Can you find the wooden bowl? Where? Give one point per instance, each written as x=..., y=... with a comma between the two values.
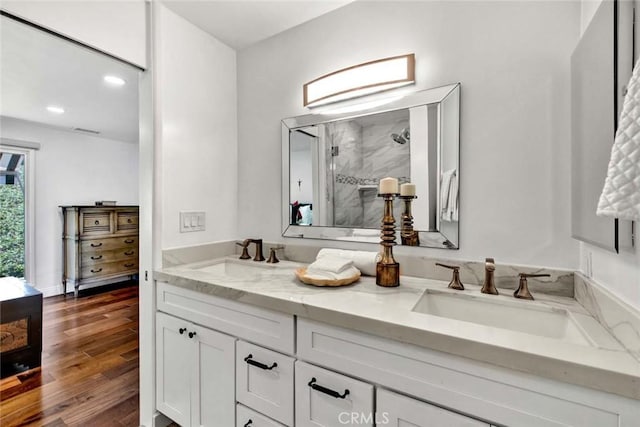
x=300, y=274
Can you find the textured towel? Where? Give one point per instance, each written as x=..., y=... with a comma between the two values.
x=362, y=260
x=328, y=275
x=620, y=196
x=332, y=264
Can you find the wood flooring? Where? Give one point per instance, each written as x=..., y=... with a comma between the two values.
x=89, y=372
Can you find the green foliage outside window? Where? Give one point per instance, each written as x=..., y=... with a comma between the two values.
x=11, y=230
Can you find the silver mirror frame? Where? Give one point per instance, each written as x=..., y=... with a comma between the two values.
x=433, y=239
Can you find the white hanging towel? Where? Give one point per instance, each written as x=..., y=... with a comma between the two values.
x=449, y=196
x=620, y=196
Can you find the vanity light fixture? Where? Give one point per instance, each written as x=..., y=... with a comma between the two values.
x=55, y=109
x=114, y=80
x=359, y=80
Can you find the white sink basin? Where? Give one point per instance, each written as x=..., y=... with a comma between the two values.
x=241, y=269
x=504, y=313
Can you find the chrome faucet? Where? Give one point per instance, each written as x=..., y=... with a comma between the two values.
x=489, y=286
x=245, y=252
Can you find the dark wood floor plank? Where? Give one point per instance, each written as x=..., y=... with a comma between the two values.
x=89, y=373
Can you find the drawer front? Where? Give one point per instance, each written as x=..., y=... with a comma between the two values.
x=110, y=268
x=101, y=257
x=110, y=243
x=95, y=222
x=126, y=221
x=322, y=398
x=465, y=386
x=395, y=410
x=264, y=381
x=267, y=328
x=246, y=417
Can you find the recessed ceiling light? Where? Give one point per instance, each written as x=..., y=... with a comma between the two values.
x=114, y=80
x=55, y=109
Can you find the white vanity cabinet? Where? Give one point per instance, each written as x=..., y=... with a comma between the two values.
x=395, y=410
x=194, y=373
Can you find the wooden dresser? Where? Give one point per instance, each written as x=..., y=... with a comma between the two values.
x=100, y=245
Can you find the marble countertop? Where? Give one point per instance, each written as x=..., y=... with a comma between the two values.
x=387, y=312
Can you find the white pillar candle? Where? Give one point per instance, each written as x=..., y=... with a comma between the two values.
x=388, y=186
x=408, y=189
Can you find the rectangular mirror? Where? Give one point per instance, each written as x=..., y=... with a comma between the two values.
x=332, y=164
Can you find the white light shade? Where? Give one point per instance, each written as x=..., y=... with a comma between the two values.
x=360, y=80
x=114, y=80
x=55, y=109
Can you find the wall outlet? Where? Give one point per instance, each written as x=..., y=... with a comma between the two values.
x=192, y=221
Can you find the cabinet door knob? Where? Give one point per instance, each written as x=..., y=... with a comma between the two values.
x=96, y=245
x=248, y=423
x=96, y=271
x=182, y=330
x=252, y=362
x=192, y=334
x=328, y=391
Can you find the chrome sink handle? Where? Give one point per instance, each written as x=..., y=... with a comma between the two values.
x=455, y=280
x=523, y=289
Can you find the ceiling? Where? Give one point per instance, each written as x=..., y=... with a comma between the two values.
x=241, y=23
x=38, y=70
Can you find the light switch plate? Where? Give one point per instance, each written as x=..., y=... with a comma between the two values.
x=192, y=221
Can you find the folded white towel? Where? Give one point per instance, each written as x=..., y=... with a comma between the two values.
x=332, y=264
x=363, y=260
x=328, y=275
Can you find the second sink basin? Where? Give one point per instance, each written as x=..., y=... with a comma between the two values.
x=238, y=269
x=497, y=312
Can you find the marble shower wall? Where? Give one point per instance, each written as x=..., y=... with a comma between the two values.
x=367, y=153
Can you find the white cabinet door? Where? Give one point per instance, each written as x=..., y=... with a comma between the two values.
x=213, y=373
x=394, y=410
x=327, y=399
x=264, y=381
x=173, y=368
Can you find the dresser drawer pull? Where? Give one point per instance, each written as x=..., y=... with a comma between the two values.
x=129, y=265
x=96, y=245
x=328, y=391
x=129, y=253
x=129, y=241
x=96, y=222
x=250, y=361
x=248, y=423
x=97, y=257
x=129, y=220
x=96, y=271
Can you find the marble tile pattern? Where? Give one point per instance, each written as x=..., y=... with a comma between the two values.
x=387, y=312
x=622, y=321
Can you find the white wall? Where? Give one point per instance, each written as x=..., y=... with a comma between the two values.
x=71, y=168
x=114, y=27
x=512, y=59
x=619, y=273
x=197, y=145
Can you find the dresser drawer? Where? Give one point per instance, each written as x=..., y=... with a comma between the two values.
x=264, y=381
x=100, y=257
x=126, y=221
x=325, y=398
x=268, y=328
x=95, y=222
x=109, y=243
x=110, y=268
x=246, y=417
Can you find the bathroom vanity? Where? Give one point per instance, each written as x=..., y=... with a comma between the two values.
x=241, y=343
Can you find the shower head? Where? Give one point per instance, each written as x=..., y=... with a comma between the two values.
x=403, y=137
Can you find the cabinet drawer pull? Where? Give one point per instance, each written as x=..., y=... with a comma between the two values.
x=96, y=245
x=182, y=330
x=129, y=253
x=250, y=361
x=192, y=334
x=96, y=271
x=328, y=391
x=129, y=241
x=96, y=222
x=129, y=220
x=97, y=257
x=131, y=264
x=248, y=423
